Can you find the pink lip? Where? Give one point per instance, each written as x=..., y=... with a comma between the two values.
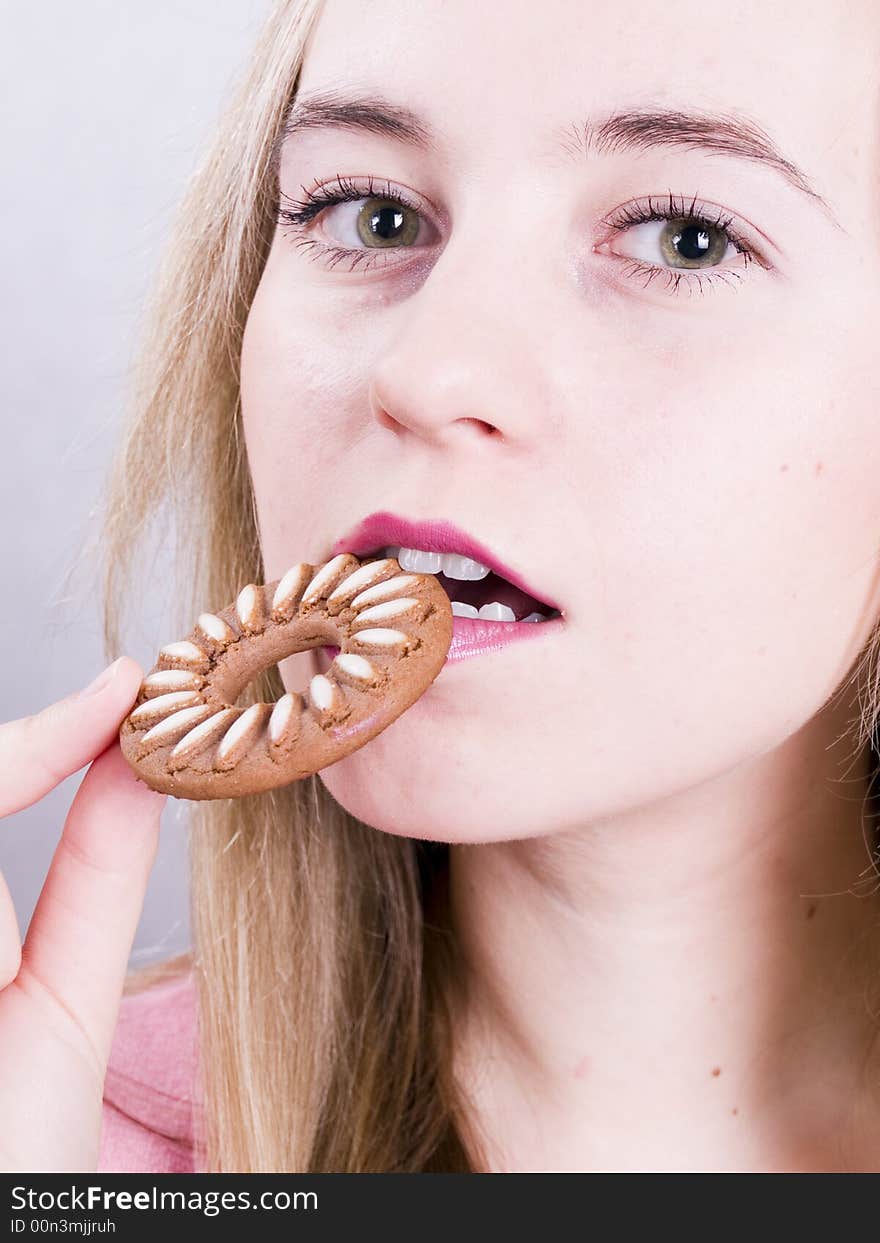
x=382, y=529
x=473, y=635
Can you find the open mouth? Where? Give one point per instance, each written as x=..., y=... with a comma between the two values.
x=474, y=590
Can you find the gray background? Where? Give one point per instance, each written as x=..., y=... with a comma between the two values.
x=106, y=106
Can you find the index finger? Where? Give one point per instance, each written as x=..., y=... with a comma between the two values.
x=39, y=751
x=80, y=935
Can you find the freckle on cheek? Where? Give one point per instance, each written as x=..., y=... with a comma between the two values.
x=819, y=468
x=716, y=1070
x=783, y=468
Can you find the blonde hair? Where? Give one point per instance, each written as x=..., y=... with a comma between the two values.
x=322, y=954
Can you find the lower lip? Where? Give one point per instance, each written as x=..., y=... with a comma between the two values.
x=471, y=636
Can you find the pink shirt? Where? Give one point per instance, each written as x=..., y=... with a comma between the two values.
x=150, y=1091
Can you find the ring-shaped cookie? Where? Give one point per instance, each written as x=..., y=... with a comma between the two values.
x=186, y=737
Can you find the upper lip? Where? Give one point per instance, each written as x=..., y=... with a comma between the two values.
x=381, y=530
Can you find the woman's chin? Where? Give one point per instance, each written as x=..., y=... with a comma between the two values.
x=397, y=784
x=356, y=783
x=367, y=788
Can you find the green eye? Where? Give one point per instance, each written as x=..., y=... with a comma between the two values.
x=688, y=244
x=384, y=223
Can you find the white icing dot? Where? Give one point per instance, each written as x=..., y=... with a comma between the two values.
x=325, y=576
x=184, y=650
x=281, y=715
x=246, y=605
x=239, y=730
x=383, y=590
x=321, y=691
x=360, y=578
x=171, y=680
x=382, y=637
x=290, y=585
x=214, y=627
x=390, y=608
x=202, y=733
x=153, y=709
x=179, y=721
x=357, y=666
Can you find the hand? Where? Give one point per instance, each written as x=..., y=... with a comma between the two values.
x=60, y=991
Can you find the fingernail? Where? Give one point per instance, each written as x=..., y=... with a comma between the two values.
x=101, y=681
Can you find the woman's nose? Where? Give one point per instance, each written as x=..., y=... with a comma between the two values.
x=464, y=356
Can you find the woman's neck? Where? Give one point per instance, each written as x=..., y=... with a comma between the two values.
x=684, y=987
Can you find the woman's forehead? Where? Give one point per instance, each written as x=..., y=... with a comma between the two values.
x=536, y=76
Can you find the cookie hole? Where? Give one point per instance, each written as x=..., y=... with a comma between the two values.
x=284, y=671
x=296, y=672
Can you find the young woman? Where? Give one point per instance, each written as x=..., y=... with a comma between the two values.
x=598, y=285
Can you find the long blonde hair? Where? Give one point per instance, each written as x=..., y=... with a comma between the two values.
x=323, y=953
x=323, y=958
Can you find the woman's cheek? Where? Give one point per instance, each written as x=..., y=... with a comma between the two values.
x=296, y=406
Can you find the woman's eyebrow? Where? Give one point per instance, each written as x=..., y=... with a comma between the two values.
x=330, y=109
x=633, y=129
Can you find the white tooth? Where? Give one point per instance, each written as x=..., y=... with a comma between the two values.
x=419, y=562
x=463, y=610
x=534, y=617
x=497, y=612
x=463, y=568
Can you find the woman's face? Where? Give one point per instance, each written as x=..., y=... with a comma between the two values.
x=686, y=417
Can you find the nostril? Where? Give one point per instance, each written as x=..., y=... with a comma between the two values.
x=385, y=420
x=482, y=427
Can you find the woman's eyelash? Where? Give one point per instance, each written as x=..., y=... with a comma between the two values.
x=297, y=214
x=671, y=207
x=691, y=213
x=674, y=278
x=340, y=190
